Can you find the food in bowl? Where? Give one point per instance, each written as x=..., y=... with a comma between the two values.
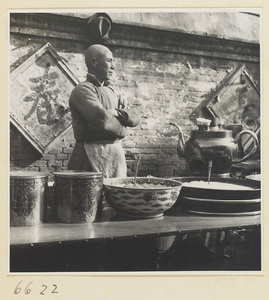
x=133, y=185
x=150, y=197
x=215, y=185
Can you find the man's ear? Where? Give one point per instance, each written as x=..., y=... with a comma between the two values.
x=94, y=62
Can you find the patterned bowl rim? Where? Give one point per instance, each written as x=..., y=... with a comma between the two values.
x=107, y=183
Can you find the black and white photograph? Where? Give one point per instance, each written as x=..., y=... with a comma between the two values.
x=135, y=141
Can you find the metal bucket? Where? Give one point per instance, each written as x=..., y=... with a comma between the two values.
x=27, y=200
x=78, y=196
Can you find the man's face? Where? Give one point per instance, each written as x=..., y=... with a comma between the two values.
x=104, y=66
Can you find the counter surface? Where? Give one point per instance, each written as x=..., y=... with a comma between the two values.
x=115, y=227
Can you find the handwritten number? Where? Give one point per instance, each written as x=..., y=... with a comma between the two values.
x=17, y=288
x=27, y=290
x=55, y=288
x=42, y=293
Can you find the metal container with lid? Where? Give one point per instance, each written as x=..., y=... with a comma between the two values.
x=27, y=198
x=78, y=195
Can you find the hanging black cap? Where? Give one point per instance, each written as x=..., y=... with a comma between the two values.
x=98, y=27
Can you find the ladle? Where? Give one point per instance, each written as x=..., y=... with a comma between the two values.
x=136, y=170
x=209, y=170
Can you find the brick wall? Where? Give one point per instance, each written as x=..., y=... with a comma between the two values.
x=167, y=85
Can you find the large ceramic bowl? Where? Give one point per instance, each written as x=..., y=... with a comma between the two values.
x=149, y=198
x=222, y=196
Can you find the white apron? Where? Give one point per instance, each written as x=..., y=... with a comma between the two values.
x=107, y=157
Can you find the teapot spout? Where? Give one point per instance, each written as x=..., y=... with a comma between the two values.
x=181, y=141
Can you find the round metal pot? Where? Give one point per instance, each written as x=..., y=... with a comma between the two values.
x=27, y=200
x=78, y=195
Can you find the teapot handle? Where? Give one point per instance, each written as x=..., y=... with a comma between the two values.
x=238, y=138
x=181, y=141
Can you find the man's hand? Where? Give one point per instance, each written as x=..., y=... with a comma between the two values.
x=120, y=114
x=114, y=112
x=122, y=103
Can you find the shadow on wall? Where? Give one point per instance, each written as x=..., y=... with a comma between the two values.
x=22, y=153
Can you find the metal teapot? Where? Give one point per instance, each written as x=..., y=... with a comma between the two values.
x=214, y=144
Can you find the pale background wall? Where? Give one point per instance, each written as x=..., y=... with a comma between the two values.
x=168, y=63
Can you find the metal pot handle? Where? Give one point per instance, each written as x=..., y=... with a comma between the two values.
x=238, y=139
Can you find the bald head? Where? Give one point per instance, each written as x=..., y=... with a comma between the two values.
x=95, y=52
x=100, y=62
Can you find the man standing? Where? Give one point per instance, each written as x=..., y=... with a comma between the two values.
x=99, y=118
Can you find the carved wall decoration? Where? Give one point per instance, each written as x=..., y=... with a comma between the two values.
x=237, y=103
x=39, y=94
x=237, y=99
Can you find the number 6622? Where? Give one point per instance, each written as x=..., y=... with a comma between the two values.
x=28, y=290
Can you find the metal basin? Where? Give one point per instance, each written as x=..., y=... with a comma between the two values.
x=220, y=201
